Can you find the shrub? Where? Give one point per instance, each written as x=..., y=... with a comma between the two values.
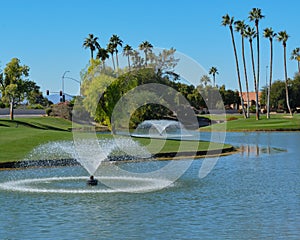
x=35, y=106
x=62, y=110
x=48, y=111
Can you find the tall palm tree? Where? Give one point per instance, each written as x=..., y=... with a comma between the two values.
x=228, y=21
x=147, y=48
x=111, y=49
x=240, y=27
x=116, y=41
x=296, y=56
x=255, y=15
x=269, y=33
x=250, y=33
x=127, y=51
x=283, y=37
x=91, y=42
x=102, y=55
x=213, y=71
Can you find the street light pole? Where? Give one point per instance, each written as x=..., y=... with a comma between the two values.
x=77, y=82
x=63, y=91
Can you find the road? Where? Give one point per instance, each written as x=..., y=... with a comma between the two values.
x=4, y=112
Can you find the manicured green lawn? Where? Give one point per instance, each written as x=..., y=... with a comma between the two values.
x=277, y=122
x=19, y=137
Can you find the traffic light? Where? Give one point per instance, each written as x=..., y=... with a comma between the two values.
x=47, y=92
x=60, y=93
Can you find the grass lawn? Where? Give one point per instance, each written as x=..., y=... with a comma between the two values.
x=19, y=137
x=277, y=122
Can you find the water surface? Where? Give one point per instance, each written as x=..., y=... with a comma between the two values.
x=248, y=195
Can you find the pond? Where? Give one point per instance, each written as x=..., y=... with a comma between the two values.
x=254, y=194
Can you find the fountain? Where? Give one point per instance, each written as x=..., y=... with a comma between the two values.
x=70, y=179
x=160, y=129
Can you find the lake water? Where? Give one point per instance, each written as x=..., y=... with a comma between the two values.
x=253, y=194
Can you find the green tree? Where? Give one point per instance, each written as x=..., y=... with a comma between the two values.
x=283, y=37
x=165, y=61
x=116, y=42
x=228, y=21
x=102, y=55
x=91, y=42
x=277, y=97
x=137, y=60
x=213, y=71
x=240, y=27
x=14, y=85
x=127, y=51
x=255, y=15
x=111, y=49
x=269, y=33
x=147, y=48
x=296, y=56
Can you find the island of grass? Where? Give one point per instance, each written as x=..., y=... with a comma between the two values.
x=236, y=123
x=21, y=136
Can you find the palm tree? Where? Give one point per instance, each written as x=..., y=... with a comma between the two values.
x=240, y=27
x=205, y=80
x=116, y=41
x=283, y=37
x=296, y=56
x=255, y=15
x=213, y=71
x=127, y=51
x=146, y=47
x=91, y=42
x=102, y=55
x=269, y=33
x=228, y=21
x=250, y=34
x=111, y=49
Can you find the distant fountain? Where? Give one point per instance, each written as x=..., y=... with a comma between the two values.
x=160, y=129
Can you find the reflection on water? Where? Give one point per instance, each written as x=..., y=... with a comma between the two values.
x=256, y=150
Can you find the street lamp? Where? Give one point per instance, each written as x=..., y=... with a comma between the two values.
x=63, y=91
x=75, y=80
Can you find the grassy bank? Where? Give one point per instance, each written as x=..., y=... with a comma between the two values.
x=19, y=137
x=277, y=122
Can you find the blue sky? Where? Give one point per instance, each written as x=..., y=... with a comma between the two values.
x=47, y=35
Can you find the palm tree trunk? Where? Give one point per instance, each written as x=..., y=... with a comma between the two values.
x=253, y=65
x=238, y=71
x=286, y=83
x=214, y=77
x=113, y=61
x=145, y=58
x=270, y=82
x=117, y=59
x=128, y=62
x=246, y=77
x=299, y=67
x=257, y=79
x=92, y=54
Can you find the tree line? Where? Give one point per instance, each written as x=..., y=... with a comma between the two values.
x=252, y=33
x=112, y=49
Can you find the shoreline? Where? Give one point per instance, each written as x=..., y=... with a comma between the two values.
x=13, y=165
